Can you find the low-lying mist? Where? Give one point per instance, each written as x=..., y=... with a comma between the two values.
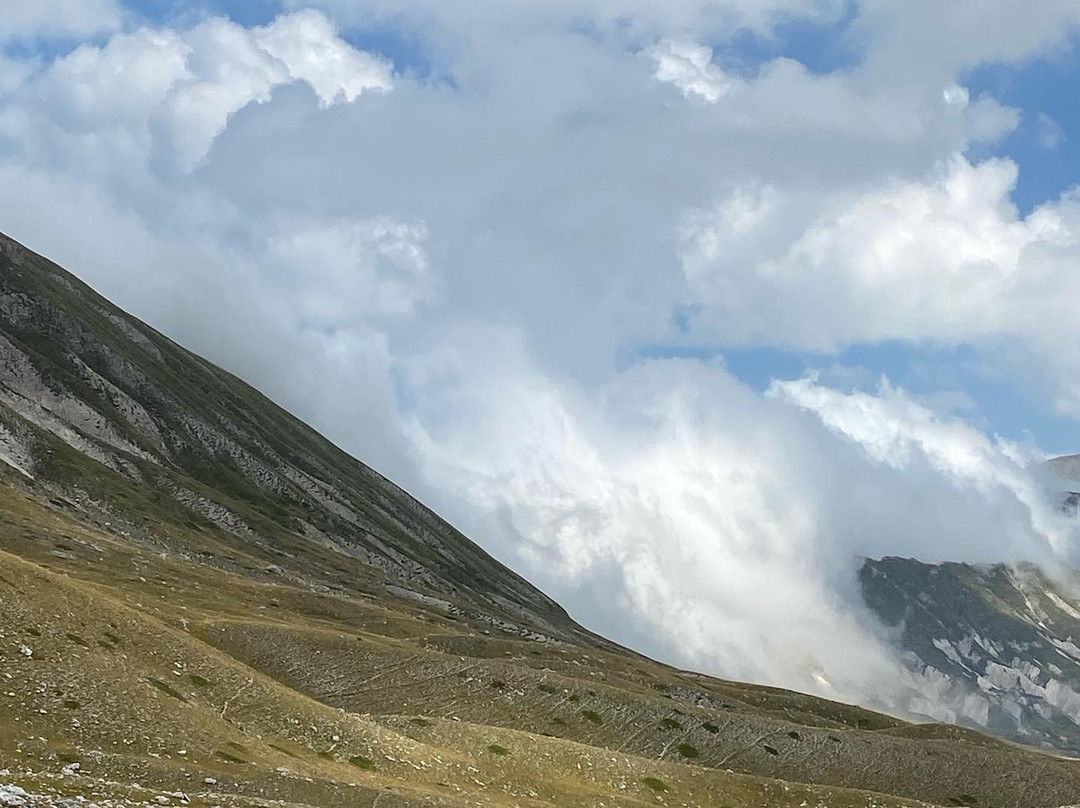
x=682, y=513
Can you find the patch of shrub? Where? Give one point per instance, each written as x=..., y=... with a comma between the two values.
x=495, y=749
x=546, y=688
x=654, y=783
x=709, y=726
x=167, y=689
x=420, y=722
x=688, y=751
x=75, y=638
x=498, y=684
x=772, y=750
x=71, y=704
x=794, y=736
x=670, y=723
x=228, y=758
x=198, y=681
x=592, y=715
x=361, y=762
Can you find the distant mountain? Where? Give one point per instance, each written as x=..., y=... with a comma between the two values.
x=1063, y=476
x=203, y=602
x=1066, y=470
x=999, y=646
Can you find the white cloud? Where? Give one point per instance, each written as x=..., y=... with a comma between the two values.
x=947, y=260
x=956, y=96
x=708, y=515
x=895, y=430
x=183, y=86
x=310, y=50
x=31, y=19
x=348, y=271
x=690, y=68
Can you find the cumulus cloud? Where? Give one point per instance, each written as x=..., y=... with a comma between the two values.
x=948, y=259
x=178, y=89
x=690, y=68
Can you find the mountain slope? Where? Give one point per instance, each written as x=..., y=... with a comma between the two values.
x=199, y=594
x=999, y=643
x=74, y=366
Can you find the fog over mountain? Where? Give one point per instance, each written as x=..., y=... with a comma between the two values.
x=516, y=259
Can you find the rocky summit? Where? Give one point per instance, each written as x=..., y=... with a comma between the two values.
x=203, y=602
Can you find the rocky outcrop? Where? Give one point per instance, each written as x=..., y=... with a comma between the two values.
x=996, y=648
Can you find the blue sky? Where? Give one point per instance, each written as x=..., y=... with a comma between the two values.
x=1048, y=156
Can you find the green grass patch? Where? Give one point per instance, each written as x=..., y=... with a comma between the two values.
x=654, y=783
x=167, y=689
x=198, y=681
x=495, y=749
x=361, y=762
